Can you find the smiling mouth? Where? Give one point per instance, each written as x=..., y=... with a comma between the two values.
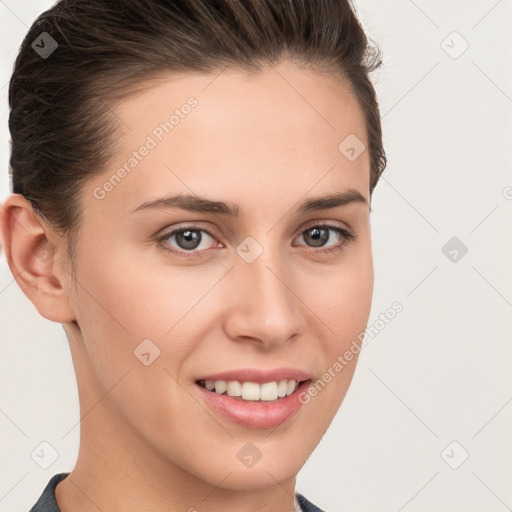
x=252, y=391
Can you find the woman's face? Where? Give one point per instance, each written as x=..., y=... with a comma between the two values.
x=263, y=287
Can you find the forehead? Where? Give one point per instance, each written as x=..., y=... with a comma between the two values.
x=278, y=129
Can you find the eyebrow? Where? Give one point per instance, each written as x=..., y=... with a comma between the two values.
x=198, y=204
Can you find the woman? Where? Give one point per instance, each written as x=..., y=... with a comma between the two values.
x=191, y=194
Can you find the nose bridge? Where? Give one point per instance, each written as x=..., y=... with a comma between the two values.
x=265, y=306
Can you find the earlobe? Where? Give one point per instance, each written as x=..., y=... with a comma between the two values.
x=31, y=250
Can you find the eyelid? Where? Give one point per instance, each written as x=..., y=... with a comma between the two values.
x=332, y=224
x=192, y=225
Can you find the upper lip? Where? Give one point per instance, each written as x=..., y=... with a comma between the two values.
x=258, y=375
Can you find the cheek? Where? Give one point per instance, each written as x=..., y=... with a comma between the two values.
x=342, y=301
x=130, y=306
x=342, y=297
x=136, y=296
x=346, y=299
x=125, y=311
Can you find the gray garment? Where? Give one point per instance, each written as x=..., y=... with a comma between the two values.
x=47, y=502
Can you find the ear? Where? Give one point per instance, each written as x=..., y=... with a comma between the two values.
x=35, y=254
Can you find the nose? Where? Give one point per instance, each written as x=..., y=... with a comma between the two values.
x=263, y=306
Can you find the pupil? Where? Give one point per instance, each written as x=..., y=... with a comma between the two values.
x=188, y=239
x=319, y=236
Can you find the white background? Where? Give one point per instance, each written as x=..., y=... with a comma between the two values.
x=440, y=371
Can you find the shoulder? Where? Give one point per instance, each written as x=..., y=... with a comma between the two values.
x=47, y=501
x=306, y=505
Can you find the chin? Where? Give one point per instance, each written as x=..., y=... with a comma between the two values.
x=256, y=478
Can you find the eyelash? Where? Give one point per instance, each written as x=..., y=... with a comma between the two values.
x=346, y=235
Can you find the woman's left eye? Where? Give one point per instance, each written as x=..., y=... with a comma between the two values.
x=189, y=239
x=319, y=235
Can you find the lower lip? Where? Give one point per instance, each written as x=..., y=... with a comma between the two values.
x=260, y=414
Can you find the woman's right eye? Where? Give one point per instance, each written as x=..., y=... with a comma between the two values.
x=188, y=240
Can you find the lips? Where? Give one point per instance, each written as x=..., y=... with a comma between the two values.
x=267, y=412
x=253, y=414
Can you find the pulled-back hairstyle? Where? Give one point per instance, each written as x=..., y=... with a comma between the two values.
x=61, y=120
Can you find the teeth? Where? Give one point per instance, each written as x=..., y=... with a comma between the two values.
x=220, y=386
x=267, y=391
x=281, y=388
x=250, y=391
x=234, y=388
x=292, y=384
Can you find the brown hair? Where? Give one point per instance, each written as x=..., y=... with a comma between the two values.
x=61, y=123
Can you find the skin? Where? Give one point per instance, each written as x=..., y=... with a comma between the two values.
x=260, y=143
